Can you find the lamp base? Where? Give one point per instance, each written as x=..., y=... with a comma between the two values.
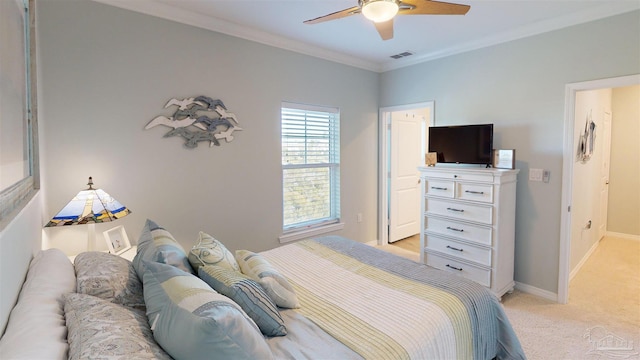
x=91, y=241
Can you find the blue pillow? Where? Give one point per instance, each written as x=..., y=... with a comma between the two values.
x=248, y=294
x=192, y=321
x=158, y=245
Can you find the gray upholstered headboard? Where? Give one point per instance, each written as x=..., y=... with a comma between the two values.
x=19, y=242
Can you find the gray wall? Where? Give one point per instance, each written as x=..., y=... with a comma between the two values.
x=520, y=87
x=106, y=72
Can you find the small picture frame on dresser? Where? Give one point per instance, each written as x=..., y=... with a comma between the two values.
x=504, y=158
x=117, y=240
x=430, y=159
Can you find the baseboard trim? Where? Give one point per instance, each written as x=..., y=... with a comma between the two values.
x=584, y=259
x=537, y=291
x=623, y=236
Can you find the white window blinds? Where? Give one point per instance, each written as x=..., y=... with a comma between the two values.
x=310, y=166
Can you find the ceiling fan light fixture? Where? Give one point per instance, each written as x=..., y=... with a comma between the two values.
x=379, y=10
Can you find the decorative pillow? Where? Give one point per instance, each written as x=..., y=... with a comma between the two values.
x=39, y=313
x=99, y=329
x=248, y=294
x=108, y=277
x=258, y=268
x=158, y=245
x=210, y=251
x=192, y=321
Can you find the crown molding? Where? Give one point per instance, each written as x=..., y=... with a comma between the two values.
x=164, y=11
x=537, y=28
x=172, y=13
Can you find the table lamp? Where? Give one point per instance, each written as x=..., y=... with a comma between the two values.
x=89, y=207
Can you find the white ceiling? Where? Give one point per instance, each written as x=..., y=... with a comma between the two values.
x=355, y=41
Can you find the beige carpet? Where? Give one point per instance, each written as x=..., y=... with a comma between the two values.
x=602, y=319
x=400, y=251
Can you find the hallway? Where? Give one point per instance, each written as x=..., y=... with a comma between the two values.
x=604, y=304
x=610, y=281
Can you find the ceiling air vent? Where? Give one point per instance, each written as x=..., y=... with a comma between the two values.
x=401, y=55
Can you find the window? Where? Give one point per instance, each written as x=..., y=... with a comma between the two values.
x=19, y=169
x=310, y=170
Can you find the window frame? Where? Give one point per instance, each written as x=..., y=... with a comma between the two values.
x=15, y=197
x=318, y=226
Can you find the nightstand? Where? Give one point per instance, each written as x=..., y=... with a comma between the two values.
x=130, y=254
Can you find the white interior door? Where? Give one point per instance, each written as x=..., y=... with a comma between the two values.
x=604, y=178
x=406, y=156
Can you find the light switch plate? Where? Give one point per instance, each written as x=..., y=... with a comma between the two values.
x=535, y=174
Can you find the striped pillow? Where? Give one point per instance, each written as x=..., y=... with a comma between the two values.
x=259, y=269
x=248, y=294
x=210, y=251
x=192, y=321
x=158, y=245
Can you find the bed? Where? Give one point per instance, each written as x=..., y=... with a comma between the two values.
x=324, y=298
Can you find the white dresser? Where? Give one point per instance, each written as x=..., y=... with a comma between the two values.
x=468, y=223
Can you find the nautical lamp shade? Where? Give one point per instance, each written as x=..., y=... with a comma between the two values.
x=89, y=206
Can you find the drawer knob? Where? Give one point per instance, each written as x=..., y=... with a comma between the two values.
x=454, y=268
x=453, y=248
x=438, y=188
x=456, y=210
x=454, y=229
x=474, y=192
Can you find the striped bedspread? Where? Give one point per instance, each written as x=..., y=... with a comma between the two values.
x=385, y=307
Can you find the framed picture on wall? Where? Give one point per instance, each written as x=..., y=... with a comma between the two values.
x=504, y=158
x=117, y=240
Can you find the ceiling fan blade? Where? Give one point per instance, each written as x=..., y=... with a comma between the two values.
x=385, y=29
x=429, y=7
x=336, y=15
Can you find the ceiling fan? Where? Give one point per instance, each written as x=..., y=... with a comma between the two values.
x=382, y=12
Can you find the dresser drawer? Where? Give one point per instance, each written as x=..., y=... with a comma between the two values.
x=477, y=274
x=475, y=233
x=475, y=192
x=461, y=211
x=478, y=176
x=440, y=188
x=474, y=177
x=467, y=252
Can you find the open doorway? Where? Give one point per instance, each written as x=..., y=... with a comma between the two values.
x=403, y=138
x=572, y=224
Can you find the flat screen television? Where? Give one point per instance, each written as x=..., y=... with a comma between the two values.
x=462, y=144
